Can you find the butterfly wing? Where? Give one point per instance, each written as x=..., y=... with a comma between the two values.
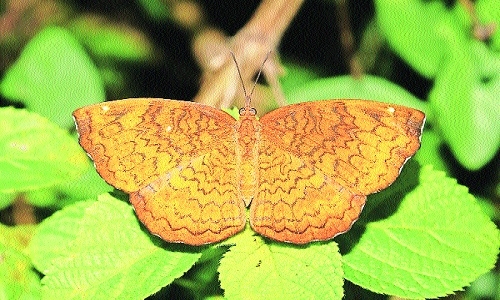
x=297, y=202
x=134, y=141
x=319, y=160
x=195, y=203
x=176, y=160
x=361, y=144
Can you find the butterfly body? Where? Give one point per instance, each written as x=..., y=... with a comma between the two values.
x=247, y=141
x=303, y=170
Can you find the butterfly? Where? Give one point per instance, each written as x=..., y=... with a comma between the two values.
x=304, y=170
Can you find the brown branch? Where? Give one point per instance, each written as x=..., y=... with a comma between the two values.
x=22, y=212
x=480, y=31
x=347, y=40
x=263, y=32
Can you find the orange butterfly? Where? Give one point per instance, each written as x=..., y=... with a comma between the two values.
x=304, y=169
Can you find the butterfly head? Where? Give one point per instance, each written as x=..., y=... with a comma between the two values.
x=247, y=110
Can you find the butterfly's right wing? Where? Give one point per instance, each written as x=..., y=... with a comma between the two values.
x=319, y=160
x=134, y=141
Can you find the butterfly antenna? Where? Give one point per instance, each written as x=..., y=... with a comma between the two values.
x=249, y=96
x=260, y=72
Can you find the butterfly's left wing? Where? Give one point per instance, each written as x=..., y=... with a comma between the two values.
x=297, y=202
x=134, y=141
x=319, y=160
x=361, y=144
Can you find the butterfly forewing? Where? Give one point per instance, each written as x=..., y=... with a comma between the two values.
x=360, y=144
x=134, y=141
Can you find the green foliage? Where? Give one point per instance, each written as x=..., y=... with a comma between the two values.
x=37, y=156
x=438, y=43
x=97, y=250
x=35, y=153
x=295, y=75
x=110, y=41
x=156, y=9
x=436, y=242
x=469, y=112
x=18, y=279
x=429, y=246
x=412, y=29
x=53, y=76
x=258, y=269
x=6, y=199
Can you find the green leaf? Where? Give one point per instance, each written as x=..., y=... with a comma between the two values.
x=35, y=153
x=346, y=87
x=6, y=199
x=411, y=28
x=234, y=112
x=53, y=76
x=437, y=242
x=203, y=279
x=295, y=75
x=258, y=269
x=438, y=42
x=44, y=197
x=485, y=287
x=430, y=150
x=157, y=9
x=86, y=186
x=106, y=40
x=68, y=192
x=18, y=280
x=97, y=250
x=468, y=112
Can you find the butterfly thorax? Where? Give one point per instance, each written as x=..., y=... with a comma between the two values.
x=247, y=137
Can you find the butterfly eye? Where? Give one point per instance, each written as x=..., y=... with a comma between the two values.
x=250, y=111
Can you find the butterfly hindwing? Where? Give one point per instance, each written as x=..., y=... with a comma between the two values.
x=196, y=203
x=297, y=202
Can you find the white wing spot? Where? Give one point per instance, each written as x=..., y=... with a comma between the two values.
x=391, y=110
x=168, y=128
x=105, y=108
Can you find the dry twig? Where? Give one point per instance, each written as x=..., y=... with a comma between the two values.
x=263, y=32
